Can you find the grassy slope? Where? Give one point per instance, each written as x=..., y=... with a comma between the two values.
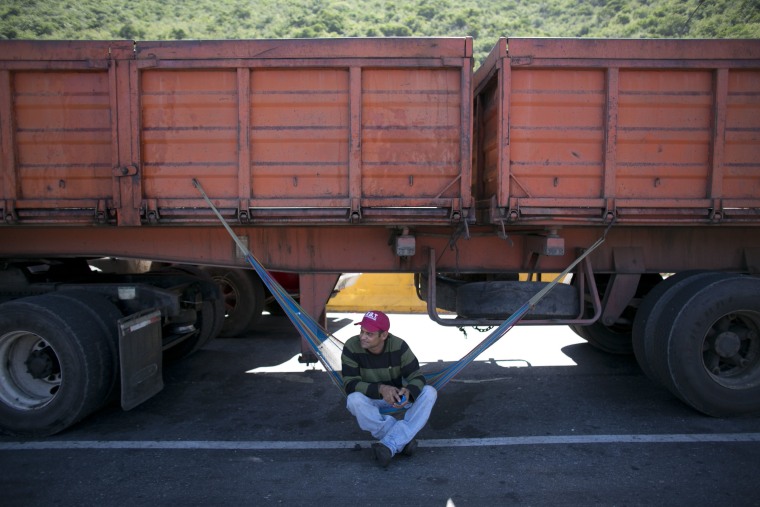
x=485, y=20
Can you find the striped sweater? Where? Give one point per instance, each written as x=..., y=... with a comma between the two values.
x=364, y=371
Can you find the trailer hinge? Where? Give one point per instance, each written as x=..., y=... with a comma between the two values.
x=456, y=210
x=8, y=213
x=355, y=214
x=101, y=213
x=243, y=212
x=610, y=212
x=513, y=213
x=151, y=211
x=716, y=212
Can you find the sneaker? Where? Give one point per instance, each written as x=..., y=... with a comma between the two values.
x=382, y=454
x=410, y=448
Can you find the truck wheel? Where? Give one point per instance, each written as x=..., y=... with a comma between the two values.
x=213, y=296
x=711, y=350
x=106, y=315
x=648, y=314
x=613, y=339
x=656, y=342
x=205, y=325
x=55, y=365
x=243, y=295
x=209, y=320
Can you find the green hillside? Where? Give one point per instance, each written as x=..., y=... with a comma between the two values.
x=485, y=20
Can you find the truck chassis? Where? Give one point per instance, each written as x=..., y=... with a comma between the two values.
x=374, y=155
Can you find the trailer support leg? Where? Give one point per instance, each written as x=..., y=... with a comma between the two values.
x=315, y=292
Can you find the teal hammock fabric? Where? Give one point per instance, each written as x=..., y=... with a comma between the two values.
x=328, y=348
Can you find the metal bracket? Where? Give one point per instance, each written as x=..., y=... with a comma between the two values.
x=628, y=260
x=8, y=213
x=355, y=215
x=127, y=170
x=243, y=212
x=456, y=210
x=101, y=212
x=513, y=213
x=716, y=212
x=502, y=233
x=610, y=212
x=621, y=289
x=151, y=211
x=584, y=271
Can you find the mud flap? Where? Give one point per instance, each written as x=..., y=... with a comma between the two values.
x=140, y=357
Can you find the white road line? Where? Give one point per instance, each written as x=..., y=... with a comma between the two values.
x=221, y=445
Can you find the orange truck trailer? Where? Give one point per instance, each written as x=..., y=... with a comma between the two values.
x=334, y=156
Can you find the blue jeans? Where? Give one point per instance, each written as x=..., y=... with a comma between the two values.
x=393, y=433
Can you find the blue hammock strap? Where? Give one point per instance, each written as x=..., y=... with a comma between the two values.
x=328, y=349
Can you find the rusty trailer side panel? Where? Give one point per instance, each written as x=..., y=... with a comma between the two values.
x=299, y=142
x=57, y=111
x=304, y=131
x=637, y=131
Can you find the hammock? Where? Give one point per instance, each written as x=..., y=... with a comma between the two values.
x=328, y=348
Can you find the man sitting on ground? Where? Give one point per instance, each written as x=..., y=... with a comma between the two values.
x=380, y=372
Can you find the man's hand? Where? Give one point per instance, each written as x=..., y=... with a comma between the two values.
x=403, y=392
x=392, y=395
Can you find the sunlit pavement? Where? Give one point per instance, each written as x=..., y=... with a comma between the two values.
x=522, y=346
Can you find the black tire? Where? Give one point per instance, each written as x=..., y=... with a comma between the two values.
x=658, y=333
x=210, y=319
x=617, y=338
x=652, y=306
x=205, y=326
x=106, y=315
x=243, y=295
x=445, y=291
x=499, y=300
x=55, y=365
x=712, y=350
x=212, y=293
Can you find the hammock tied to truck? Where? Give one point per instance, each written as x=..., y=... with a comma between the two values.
x=328, y=348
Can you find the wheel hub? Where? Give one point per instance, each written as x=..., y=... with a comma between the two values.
x=30, y=371
x=732, y=352
x=39, y=364
x=727, y=344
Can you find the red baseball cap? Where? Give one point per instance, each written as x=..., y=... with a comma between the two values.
x=374, y=321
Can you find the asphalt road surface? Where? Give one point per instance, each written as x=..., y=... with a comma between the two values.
x=539, y=419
